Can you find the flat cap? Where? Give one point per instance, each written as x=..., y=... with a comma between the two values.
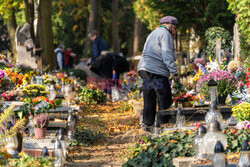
x=169, y=19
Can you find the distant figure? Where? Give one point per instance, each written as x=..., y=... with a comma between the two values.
x=59, y=56
x=69, y=57
x=97, y=46
x=109, y=66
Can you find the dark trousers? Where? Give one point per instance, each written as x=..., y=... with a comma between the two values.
x=154, y=87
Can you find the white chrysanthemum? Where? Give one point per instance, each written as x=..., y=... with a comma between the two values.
x=212, y=66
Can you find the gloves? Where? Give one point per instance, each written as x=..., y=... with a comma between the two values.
x=115, y=76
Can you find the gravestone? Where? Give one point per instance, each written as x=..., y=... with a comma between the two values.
x=25, y=46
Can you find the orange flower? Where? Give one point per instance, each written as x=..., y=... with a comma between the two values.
x=39, y=98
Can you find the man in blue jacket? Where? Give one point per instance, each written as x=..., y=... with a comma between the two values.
x=156, y=64
x=97, y=46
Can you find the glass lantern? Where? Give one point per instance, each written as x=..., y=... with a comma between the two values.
x=198, y=142
x=11, y=143
x=244, y=159
x=52, y=92
x=45, y=152
x=31, y=127
x=219, y=158
x=180, y=119
x=71, y=125
x=59, y=155
x=213, y=135
x=213, y=113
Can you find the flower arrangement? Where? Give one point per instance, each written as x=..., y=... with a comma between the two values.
x=226, y=83
x=197, y=76
x=241, y=112
x=34, y=91
x=232, y=66
x=10, y=95
x=41, y=104
x=67, y=81
x=40, y=120
x=243, y=125
x=26, y=79
x=49, y=79
x=184, y=97
x=213, y=66
x=17, y=79
x=4, y=81
x=248, y=78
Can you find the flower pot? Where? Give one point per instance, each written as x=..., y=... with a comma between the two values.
x=186, y=104
x=40, y=132
x=222, y=100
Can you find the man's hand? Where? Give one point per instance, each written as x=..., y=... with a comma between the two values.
x=176, y=77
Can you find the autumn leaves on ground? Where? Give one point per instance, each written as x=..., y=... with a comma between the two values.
x=120, y=126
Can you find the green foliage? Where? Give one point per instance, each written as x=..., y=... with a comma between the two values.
x=69, y=23
x=211, y=36
x=7, y=7
x=23, y=110
x=85, y=137
x=224, y=88
x=29, y=161
x=241, y=9
x=235, y=138
x=160, y=151
x=92, y=96
x=198, y=15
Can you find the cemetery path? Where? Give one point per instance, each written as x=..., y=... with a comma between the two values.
x=120, y=126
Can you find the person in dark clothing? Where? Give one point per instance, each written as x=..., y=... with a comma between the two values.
x=69, y=57
x=109, y=66
x=97, y=46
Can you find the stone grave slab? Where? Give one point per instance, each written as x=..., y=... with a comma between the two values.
x=34, y=146
x=191, y=114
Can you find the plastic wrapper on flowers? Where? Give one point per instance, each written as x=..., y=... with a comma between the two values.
x=243, y=125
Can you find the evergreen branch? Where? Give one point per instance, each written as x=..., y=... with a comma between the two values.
x=7, y=112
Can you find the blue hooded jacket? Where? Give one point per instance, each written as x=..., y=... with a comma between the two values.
x=98, y=45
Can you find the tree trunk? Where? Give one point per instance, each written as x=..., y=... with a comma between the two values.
x=91, y=24
x=45, y=35
x=29, y=15
x=11, y=27
x=115, y=33
x=137, y=33
x=98, y=16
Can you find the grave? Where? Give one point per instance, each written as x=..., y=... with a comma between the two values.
x=191, y=114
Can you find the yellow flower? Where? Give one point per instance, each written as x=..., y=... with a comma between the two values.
x=232, y=66
x=34, y=90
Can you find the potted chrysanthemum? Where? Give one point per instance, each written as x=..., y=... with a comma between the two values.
x=226, y=84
